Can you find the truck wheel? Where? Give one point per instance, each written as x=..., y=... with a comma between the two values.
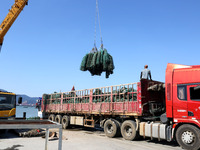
x=58, y=118
x=51, y=117
x=65, y=122
x=128, y=130
x=188, y=137
x=110, y=128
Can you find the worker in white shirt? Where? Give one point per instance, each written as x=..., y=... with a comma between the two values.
x=145, y=73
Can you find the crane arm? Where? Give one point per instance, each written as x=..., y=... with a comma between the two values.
x=11, y=17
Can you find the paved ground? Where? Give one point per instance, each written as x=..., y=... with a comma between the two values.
x=82, y=139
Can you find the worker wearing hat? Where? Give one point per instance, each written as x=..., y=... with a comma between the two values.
x=145, y=73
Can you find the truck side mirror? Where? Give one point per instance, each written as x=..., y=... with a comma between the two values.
x=197, y=87
x=20, y=100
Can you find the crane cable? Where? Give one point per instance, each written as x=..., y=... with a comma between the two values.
x=96, y=61
x=97, y=16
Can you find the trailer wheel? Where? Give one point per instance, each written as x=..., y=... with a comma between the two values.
x=51, y=117
x=128, y=130
x=65, y=122
x=58, y=118
x=188, y=137
x=110, y=128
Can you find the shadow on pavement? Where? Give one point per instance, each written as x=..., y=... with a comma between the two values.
x=14, y=147
x=99, y=131
x=172, y=143
x=7, y=134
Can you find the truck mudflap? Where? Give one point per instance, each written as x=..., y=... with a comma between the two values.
x=169, y=133
x=156, y=131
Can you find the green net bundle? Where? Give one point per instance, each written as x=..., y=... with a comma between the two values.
x=97, y=62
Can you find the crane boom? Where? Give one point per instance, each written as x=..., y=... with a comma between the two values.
x=11, y=17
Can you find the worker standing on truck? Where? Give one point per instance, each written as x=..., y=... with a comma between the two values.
x=73, y=88
x=145, y=73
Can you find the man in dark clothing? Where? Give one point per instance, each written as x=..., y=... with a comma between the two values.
x=145, y=73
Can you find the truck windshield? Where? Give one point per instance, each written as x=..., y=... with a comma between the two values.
x=7, y=101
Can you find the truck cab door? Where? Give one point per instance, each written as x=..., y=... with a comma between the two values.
x=180, y=102
x=193, y=101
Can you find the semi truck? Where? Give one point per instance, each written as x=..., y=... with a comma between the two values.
x=150, y=109
x=8, y=104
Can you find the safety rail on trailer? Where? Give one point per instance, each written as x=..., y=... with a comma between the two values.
x=124, y=98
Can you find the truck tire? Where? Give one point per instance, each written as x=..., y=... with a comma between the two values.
x=51, y=117
x=111, y=128
x=58, y=119
x=188, y=137
x=128, y=130
x=65, y=122
x=118, y=128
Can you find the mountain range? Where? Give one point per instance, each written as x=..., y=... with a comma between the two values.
x=26, y=99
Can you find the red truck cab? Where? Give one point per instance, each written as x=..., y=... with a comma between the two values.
x=183, y=93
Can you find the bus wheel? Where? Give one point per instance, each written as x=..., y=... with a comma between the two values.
x=111, y=128
x=188, y=137
x=128, y=130
x=65, y=122
x=51, y=117
x=58, y=118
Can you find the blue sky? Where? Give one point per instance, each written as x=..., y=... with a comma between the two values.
x=42, y=51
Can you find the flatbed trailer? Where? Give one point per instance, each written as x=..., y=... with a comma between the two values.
x=126, y=100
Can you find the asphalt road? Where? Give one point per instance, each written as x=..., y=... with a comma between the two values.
x=82, y=139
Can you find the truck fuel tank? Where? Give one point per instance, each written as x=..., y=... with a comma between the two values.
x=155, y=130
